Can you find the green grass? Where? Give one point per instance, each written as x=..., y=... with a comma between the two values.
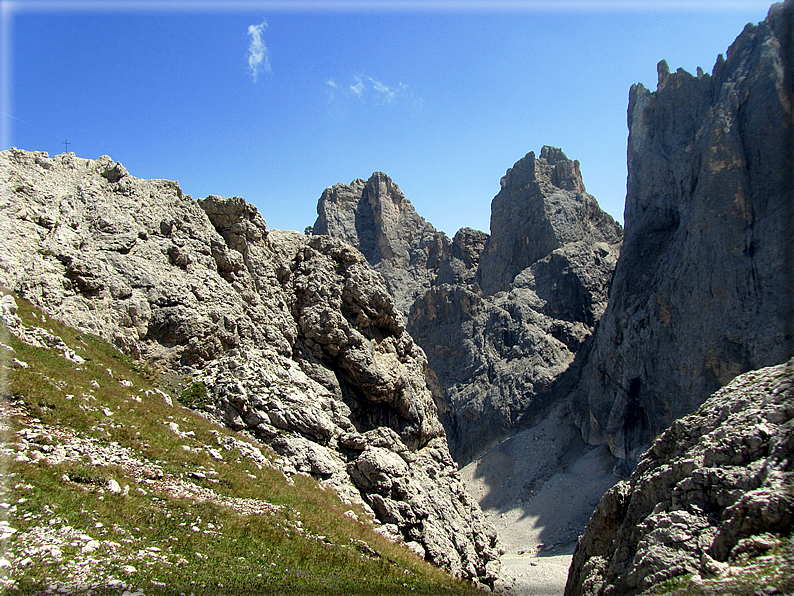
x=194, y=396
x=176, y=543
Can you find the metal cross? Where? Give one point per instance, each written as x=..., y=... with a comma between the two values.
x=67, y=143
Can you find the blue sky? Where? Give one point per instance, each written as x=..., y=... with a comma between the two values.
x=441, y=96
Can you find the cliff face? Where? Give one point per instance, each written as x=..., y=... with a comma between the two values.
x=542, y=206
x=500, y=317
x=296, y=338
x=702, y=289
x=376, y=218
x=714, y=490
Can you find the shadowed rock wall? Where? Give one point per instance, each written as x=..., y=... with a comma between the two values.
x=503, y=355
x=703, y=287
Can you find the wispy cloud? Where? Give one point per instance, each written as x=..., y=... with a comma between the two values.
x=386, y=94
x=330, y=89
x=366, y=88
x=358, y=88
x=257, y=51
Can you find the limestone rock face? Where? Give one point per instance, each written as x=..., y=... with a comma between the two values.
x=542, y=206
x=415, y=493
x=459, y=264
x=503, y=359
x=702, y=289
x=375, y=217
x=714, y=489
x=295, y=337
x=500, y=358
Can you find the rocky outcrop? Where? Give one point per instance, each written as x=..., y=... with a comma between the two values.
x=503, y=359
x=542, y=206
x=714, y=490
x=702, y=290
x=502, y=355
x=415, y=493
x=459, y=265
x=375, y=217
x=293, y=338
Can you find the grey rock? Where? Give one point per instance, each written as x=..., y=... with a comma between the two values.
x=375, y=217
x=542, y=206
x=702, y=288
x=714, y=488
x=498, y=358
x=295, y=337
x=415, y=492
x=459, y=264
x=502, y=360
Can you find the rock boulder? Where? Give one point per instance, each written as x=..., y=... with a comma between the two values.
x=714, y=489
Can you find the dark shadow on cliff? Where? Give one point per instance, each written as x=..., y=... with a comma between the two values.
x=540, y=485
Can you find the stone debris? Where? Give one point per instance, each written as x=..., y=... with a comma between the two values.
x=50, y=537
x=33, y=336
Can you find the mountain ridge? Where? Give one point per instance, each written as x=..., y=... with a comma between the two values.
x=491, y=310
x=295, y=338
x=371, y=376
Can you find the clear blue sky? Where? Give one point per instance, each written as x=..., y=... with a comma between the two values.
x=441, y=97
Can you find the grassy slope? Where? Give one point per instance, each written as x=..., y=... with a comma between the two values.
x=99, y=495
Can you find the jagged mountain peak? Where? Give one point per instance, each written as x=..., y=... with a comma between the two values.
x=376, y=218
x=701, y=292
x=542, y=205
x=472, y=338
x=552, y=168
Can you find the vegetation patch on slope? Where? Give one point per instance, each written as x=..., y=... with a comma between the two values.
x=110, y=486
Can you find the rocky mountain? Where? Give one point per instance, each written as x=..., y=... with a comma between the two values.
x=375, y=217
x=372, y=350
x=506, y=353
x=702, y=288
x=291, y=338
x=714, y=490
x=500, y=317
x=541, y=207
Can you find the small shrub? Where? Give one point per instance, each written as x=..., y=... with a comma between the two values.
x=195, y=396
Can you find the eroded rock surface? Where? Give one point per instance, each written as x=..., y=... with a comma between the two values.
x=375, y=217
x=702, y=290
x=295, y=338
x=504, y=359
x=503, y=355
x=542, y=206
x=714, y=489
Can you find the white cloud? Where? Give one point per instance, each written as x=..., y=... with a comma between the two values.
x=257, y=52
x=330, y=89
x=368, y=88
x=386, y=95
x=358, y=88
